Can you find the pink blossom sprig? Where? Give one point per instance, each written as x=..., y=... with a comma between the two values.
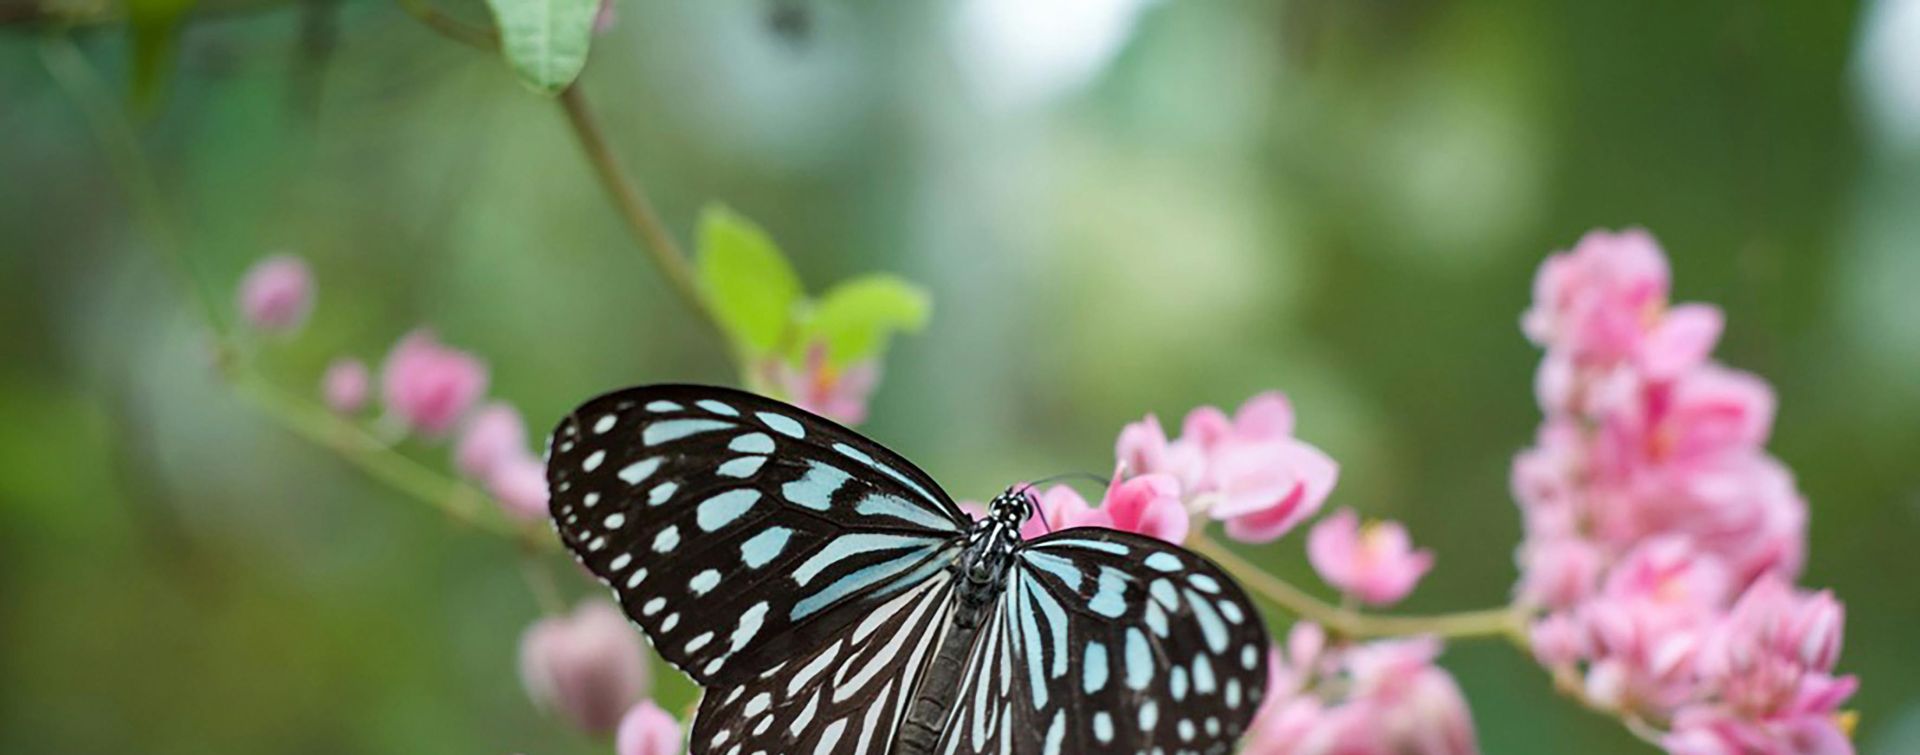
x=1661, y=540
x=1385, y=697
x=1248, y=471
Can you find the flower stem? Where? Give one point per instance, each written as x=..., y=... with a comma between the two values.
x=635, y=208
x=459, y=501
x=120, y=145
x=471, y=35
x=626, y=193
x=1502, y=622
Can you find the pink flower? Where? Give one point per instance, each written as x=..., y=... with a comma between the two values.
x=1148, y=505
x=1773, y=655
x=1598, y=301
x=1266, y=488
x=1143, y=448
x=1417, y=707
x=588, y=666
x=1702, y=417
x=1246, y=470
x=429, y=385
x=345, y=384
x=1375, y=563
x=1557, y=640
x=1705, y=730
x=276, y=294
x=1559, y=572
x=493, y=435
x=647, y=730
x=1380, y=698
x=519, y=483
x=1745, y=509
x=1061, y=508
x=1648, y=624
x=837, y=393
x=1682, y=340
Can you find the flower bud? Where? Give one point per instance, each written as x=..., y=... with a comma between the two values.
x=276, y=294
x=587, y=666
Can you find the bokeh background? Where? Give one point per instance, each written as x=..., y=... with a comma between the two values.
x=1119, y=206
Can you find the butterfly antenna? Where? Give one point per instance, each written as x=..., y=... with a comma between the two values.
x=1026, y=489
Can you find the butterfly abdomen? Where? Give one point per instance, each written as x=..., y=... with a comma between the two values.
x=925, y=720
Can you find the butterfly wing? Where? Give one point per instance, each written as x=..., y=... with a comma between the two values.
x=738, y=531
x=848, y=696
x=1107, y=641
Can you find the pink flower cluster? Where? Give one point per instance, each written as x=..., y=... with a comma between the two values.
x=1661, y=538
x=427, y=388
x=1247, y=471
x=1250, y=472
x=1379, y=698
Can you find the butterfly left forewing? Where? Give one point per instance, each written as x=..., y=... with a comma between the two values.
x=1106, y=641
x=738, y=531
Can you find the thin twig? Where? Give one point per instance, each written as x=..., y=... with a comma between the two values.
x=633, y=204
x=626, y=193
x=1496, y=622
x=471, y=35
x=459, y=501
x=121, y=147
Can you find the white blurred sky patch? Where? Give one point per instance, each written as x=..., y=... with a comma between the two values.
x=1019, y=53
x=1887, y=71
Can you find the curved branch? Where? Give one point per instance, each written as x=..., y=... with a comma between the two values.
x=1505, y=622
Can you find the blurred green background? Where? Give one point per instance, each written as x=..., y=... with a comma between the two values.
x=1119, y=207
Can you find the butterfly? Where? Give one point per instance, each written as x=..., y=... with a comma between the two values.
x=829, y=597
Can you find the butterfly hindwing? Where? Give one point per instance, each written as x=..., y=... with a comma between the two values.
x=1107, y=641
x=737, y=531
x=849, y=695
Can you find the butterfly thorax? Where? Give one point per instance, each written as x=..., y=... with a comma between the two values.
x=990, y=544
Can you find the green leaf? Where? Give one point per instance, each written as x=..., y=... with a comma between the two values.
x=748, y=282
x=855, y=318
x=545, y=41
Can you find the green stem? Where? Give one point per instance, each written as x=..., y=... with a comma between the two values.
x=636, y=209
x=634, y=206
x=1505, y=622
x=121, y=147
x=459, y=501
x=471, y=35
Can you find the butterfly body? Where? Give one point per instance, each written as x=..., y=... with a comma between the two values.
x=831, y=598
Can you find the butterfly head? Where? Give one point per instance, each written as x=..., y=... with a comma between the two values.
x=1012, y=507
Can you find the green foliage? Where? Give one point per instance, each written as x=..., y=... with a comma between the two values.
x=545, y=41
x=747, y=281
x=854, y=318
x=760, y=302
